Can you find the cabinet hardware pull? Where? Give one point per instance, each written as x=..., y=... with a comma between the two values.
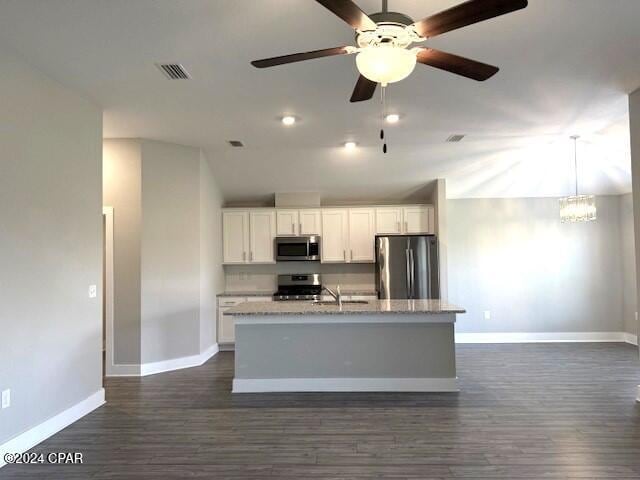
x=293, y=228
x=244, y=256
x=344, y=255
x=300, y=228
x=399, y=227
x=406, y=227
x=352, y=255
x=251, y=256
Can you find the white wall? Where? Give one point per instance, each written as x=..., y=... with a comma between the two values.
x=515, y=259
x=634, y=127
x=50, y=247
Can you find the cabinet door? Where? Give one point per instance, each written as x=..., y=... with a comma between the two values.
x=287, y=221
x=262, y=232
x=226, y=327
x=416, y=219
x=235, y=233
x=361, y=234
x=389, y=220
x=310, y=222
x=334, y=235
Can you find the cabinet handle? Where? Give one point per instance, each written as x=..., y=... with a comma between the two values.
x=352, y=255
x=251, y=256
x=344, y=255
x=300, y=228
x=406, y=226
x=399, y=228
x=293, y=229
x=244, y=256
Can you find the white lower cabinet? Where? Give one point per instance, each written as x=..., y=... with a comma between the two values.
x=226, y=324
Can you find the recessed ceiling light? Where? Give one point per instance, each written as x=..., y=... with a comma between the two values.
x=288, y=120
x=350, y=145
x=392, y=118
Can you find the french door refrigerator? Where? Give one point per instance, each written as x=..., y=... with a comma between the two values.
x=407, y=267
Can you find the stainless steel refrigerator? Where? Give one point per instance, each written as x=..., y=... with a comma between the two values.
x=407, y=266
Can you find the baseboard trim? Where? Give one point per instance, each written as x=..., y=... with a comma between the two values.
x=32, y=437
x=543, y=337
x=260, y=385
x=178, y=363
x=122, y=370
x=631, y=338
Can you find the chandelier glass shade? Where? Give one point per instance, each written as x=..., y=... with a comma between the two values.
x=577, y=208
x=385, y=64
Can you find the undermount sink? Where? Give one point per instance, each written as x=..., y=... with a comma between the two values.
x=344, y=302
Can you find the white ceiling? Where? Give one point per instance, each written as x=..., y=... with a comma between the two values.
x=566, y=67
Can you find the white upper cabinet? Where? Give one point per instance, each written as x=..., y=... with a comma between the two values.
x=388, y=220
x=361, y=235
x=262, y=228
x=335, y=235
x=288, y=223
x=310, y=222
x=235, y=228
x=419, y=219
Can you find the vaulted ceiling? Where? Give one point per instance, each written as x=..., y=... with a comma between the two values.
x=566, y=68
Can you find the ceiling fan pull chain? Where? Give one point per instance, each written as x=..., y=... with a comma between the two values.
x=383, y=94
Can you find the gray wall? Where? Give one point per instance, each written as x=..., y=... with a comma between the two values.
x=514, y=258
x=170, y=251
x=211, y=272
x=634, y=126
x=50, y=246
x=167, y=209
x=122, y=170
x=627, y=245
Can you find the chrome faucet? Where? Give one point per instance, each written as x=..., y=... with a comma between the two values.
x=337, y=296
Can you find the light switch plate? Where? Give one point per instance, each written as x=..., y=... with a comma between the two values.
x=6, y=398
x=487, y=315
x=93, y=291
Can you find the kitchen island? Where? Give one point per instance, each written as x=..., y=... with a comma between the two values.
x=378, y=345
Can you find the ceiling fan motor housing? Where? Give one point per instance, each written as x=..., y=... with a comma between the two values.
x=391, y=30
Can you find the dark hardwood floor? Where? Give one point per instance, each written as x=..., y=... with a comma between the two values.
x=537, y=411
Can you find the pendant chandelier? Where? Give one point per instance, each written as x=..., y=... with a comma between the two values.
x=577, y=208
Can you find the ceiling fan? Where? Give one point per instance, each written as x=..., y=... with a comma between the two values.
x=384, y=38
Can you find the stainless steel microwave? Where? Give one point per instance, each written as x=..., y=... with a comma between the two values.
x=297, y=249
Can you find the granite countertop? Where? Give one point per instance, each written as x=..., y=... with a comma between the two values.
x=371, y=307
x=269, y=293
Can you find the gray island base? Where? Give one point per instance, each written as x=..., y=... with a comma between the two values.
x=380, y=346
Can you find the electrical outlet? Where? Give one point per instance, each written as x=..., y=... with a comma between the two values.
x=6, y=398
x=487, y=315
x=93, y=291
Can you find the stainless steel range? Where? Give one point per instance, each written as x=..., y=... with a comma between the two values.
x=300, y=286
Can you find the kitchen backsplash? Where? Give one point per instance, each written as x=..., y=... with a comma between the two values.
x=352, y=276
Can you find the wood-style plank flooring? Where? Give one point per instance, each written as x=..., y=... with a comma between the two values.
x=536, y=411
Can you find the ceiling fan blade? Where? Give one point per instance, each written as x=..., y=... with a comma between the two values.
x=350, y=13
x=299, y=57
x=363, y=90
x=455, y=64
x=467, y=13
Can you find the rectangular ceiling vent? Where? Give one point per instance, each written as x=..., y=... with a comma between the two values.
x=236, y=143
x=455, y=138
x=173, y=71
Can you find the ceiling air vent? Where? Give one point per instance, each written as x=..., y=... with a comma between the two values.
x=455, y=138
x=236, y=143
x=173, y=71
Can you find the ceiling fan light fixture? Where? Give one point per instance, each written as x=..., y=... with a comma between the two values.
x=385, y=64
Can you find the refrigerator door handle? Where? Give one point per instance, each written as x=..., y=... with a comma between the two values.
x=412, y=266
x=409, y=286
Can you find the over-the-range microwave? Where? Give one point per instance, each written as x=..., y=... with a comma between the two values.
x=296, y=249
